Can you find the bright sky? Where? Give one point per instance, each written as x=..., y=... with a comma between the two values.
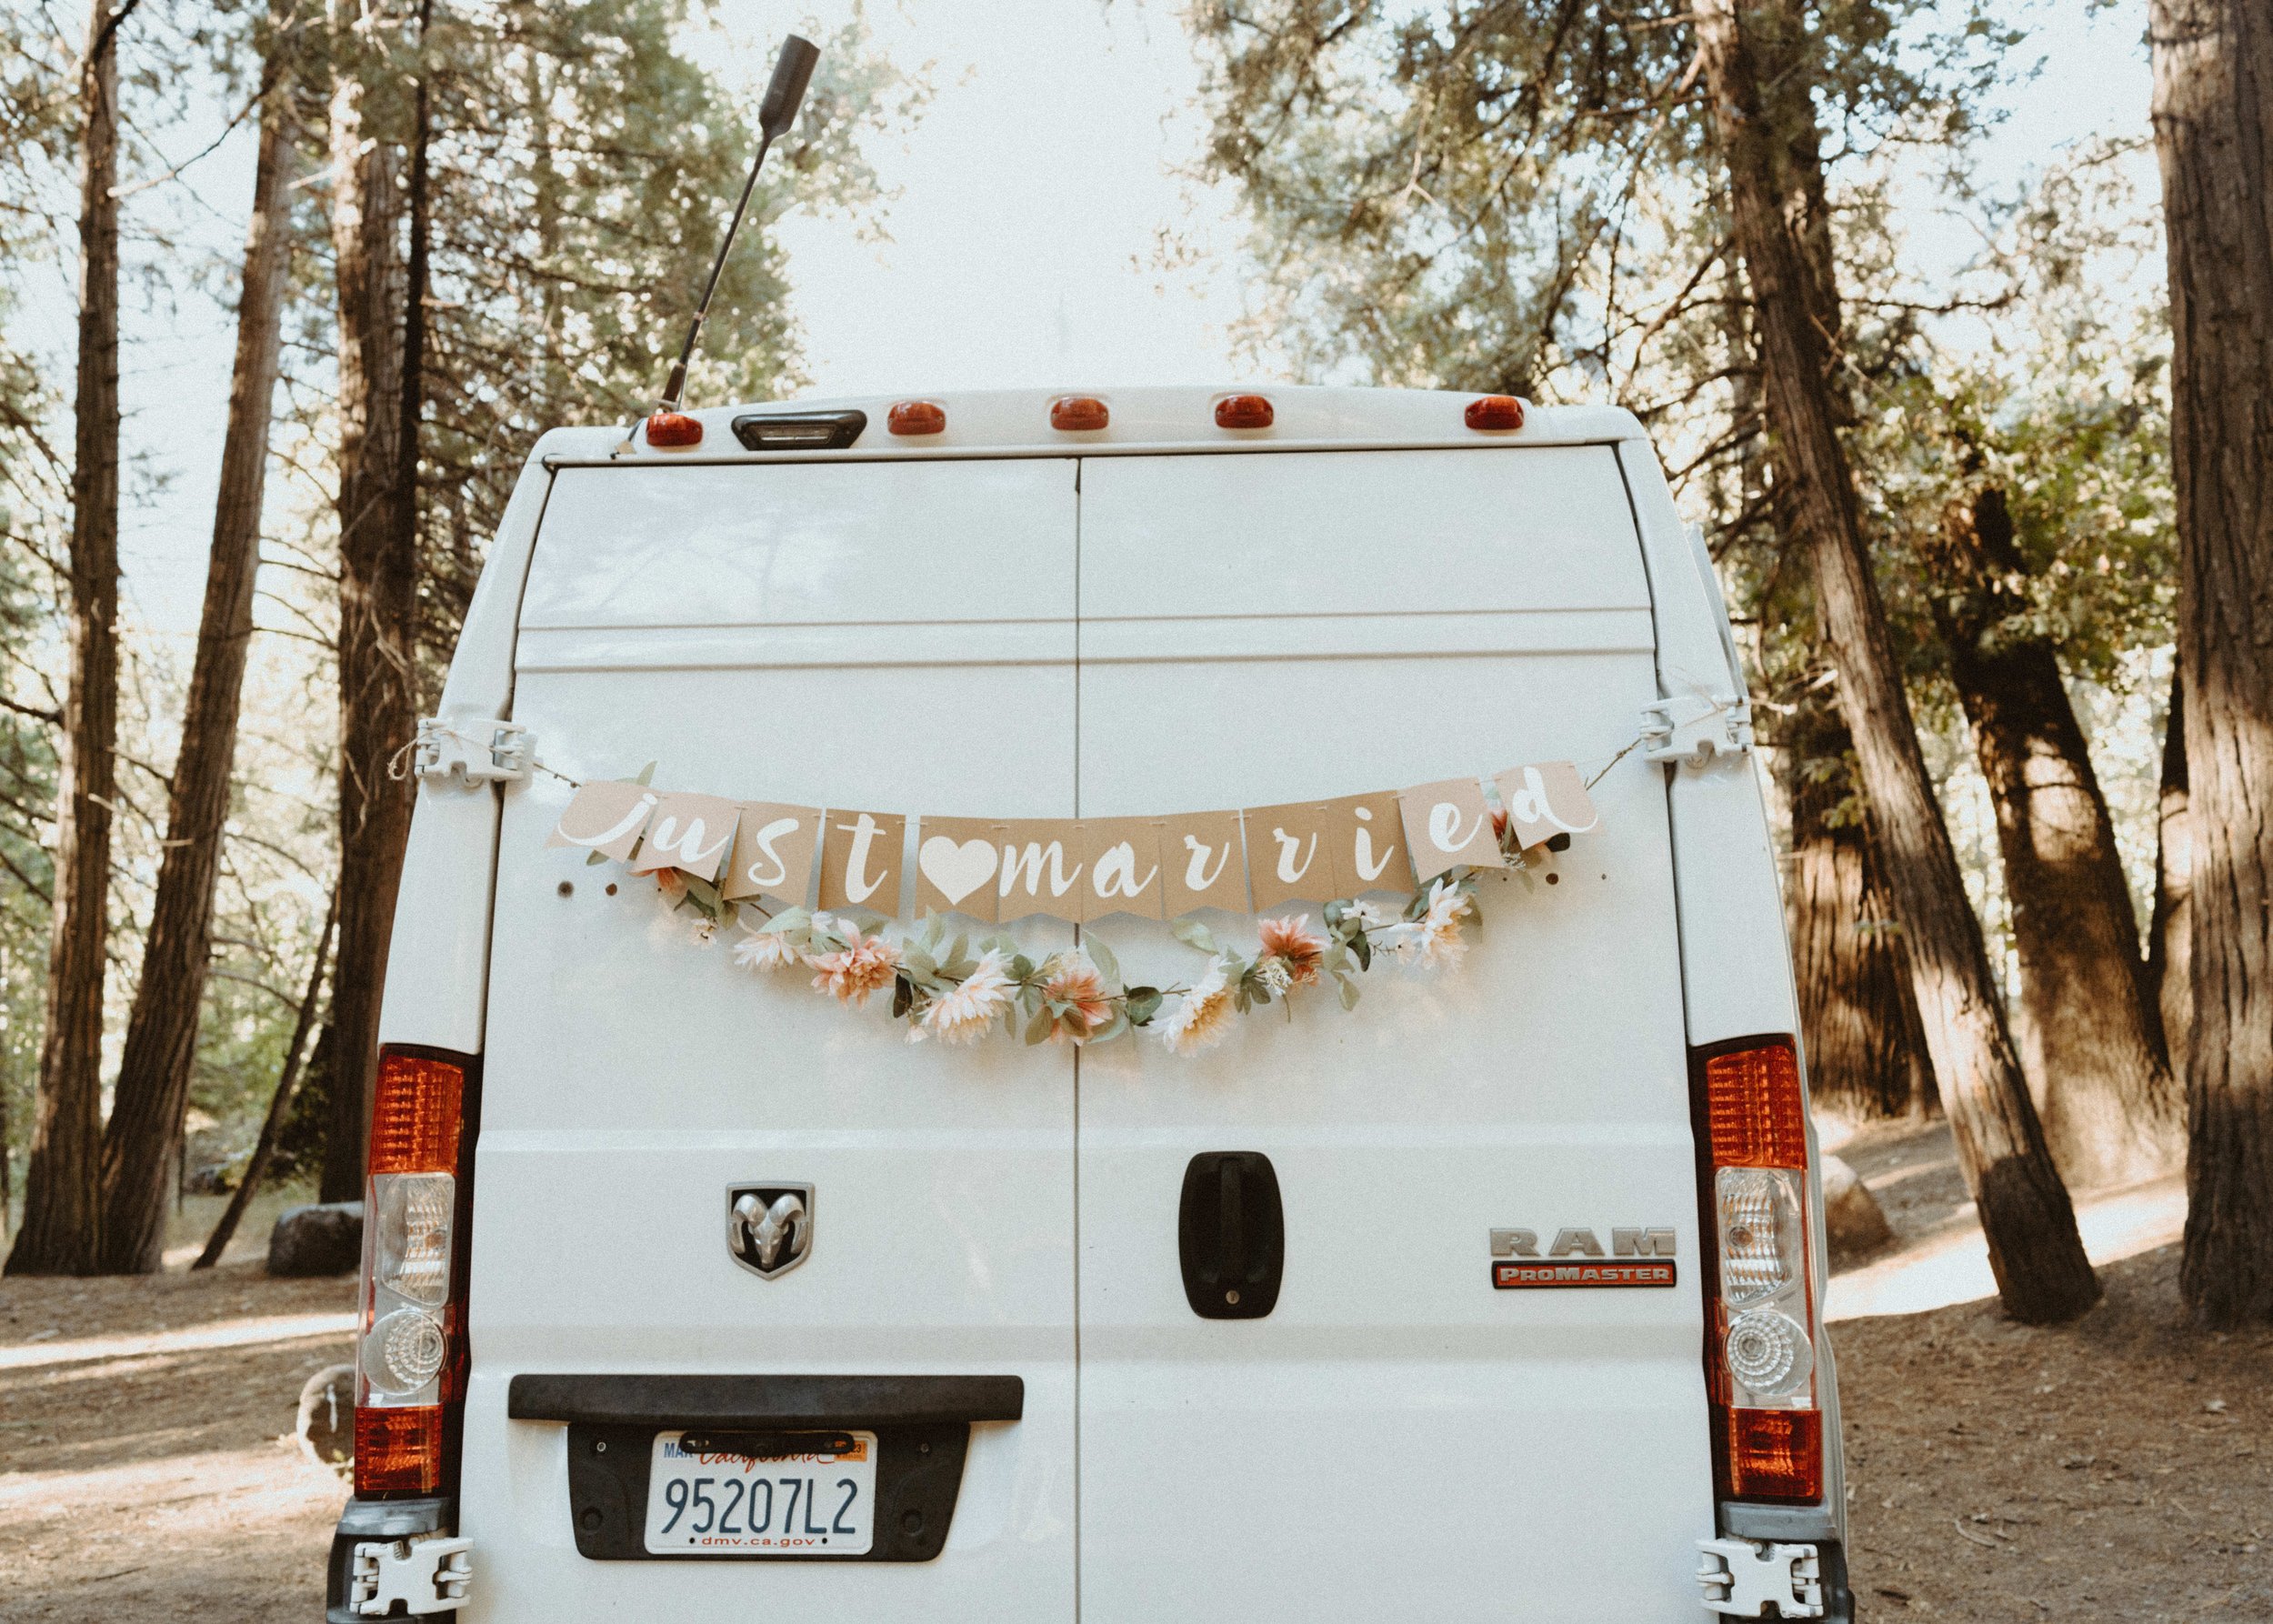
x=1023, y=242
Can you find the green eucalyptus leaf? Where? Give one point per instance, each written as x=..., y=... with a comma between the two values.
x=1348, y=990
x=1143, y=1003
x=1102, y=957
x=593, y=859
x=647, y=773
x=1194, y=933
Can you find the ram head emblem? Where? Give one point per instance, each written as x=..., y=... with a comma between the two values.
x=769, y=1227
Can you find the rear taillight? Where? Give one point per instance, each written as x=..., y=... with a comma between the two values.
x=410, y=1365
x=1759, y=1350
x=1494, y=412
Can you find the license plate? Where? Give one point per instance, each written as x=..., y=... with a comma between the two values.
x=814, y=1504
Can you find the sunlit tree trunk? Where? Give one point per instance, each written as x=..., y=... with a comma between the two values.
x=377, y=608
x=61, y=1233
x=1865, y=1049
x=2094, y=1035
x=2035, y=1251
x=2213, y=64
x=144, y=1140
x=2171, y=932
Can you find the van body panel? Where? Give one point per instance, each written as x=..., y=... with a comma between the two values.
x=634, y=1075
x=1367, y=596
x=1393, y=1403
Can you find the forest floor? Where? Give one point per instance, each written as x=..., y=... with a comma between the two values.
x=2120, y=1467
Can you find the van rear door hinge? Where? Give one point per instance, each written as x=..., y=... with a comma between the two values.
x=1741, y=1577
x=473, y=753
x=1697, y=729
x=429, y=1573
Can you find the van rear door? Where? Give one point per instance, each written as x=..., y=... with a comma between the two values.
x=1396, y=1438
x=852, y=634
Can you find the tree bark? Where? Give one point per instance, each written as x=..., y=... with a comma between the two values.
x=2171, y=931
x=378, y=606
x=279, y=1103
x=1866, y=1048
x=2213, y=107
x=144, y=1135
x=2112, y=1114
x=61, y=1232
x=2042, y=1273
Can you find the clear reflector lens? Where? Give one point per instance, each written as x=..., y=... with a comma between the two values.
x=1768, y=1353
x=412, y=1254
x=1762, y=1247
x=403, y=1351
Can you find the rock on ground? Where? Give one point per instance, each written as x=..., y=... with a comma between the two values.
x=322, y=1239
x=1852, y=1219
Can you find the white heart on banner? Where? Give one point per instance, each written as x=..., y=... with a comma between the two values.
x=958, y=869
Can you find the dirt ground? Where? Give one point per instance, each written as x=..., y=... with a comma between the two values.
x=2118, y=1468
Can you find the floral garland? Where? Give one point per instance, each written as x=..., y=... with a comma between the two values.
x=958, y=989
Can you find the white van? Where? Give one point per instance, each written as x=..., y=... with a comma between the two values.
x=986, y=1368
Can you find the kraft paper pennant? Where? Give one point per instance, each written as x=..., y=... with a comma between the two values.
x=1289, y=855
x=1123, y=855
x=1202, y=863
x=1041, y=868
x=774, y=846
x=1546, y=799
x=1447, y=824
x=606, y=818
x=957, y=860
x=690, y=833
x=1367, y=834
x=860, y=860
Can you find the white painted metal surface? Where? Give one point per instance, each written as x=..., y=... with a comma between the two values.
x=1365, y=594
x=632, y=1076
x=1395, y=1427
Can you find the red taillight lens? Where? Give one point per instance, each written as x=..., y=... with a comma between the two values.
x=674, y=428
x=1075, y=413
x=411, y=1360
x=916, y=418
x=1754, y=1111
x=417, y=1114
x=1494, y=411
x=399, y=1451
x=1775, y=1454
x=1760, y=1326
x=1244, y=411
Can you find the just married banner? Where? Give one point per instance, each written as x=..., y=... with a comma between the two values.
x=997, y=870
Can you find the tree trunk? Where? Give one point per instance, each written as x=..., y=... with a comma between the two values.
x=377, y=711
x=62, y=1188
x=2093, y=1036
x=279, y=1103
x=2213, y=107
x=146, y=1112
x=2035, y=1252
x=1867, y=1053
x=2170, y=933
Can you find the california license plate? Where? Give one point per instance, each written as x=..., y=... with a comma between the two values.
x=815, y=1504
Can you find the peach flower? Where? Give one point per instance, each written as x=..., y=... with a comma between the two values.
x=1295, y=945
x=861, y=966
x=1074, y=981
x=963, y=1013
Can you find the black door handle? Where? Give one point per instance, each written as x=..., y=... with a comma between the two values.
x=1231, y=1235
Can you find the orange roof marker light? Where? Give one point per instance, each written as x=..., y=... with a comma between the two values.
x=1494, y=411
x=916, y=418
x=1073, y=413
x=669, y=430
x=1244, y=411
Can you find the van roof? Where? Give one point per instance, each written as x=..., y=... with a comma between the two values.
x=1180, y=418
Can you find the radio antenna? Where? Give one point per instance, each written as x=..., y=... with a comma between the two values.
x=793, y=71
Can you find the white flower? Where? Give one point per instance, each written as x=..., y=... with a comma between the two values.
x=1396, y=942
x=1439, y=944
x=963, y=1013
x=1274, y=974
x=1204, y=1018
x=766, y=950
